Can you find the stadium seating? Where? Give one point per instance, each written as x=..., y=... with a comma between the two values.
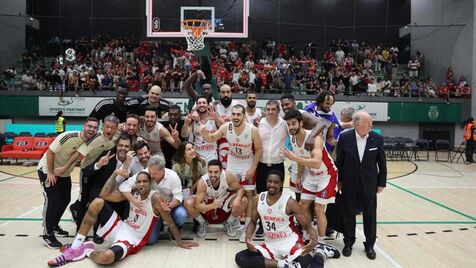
x=26, y=148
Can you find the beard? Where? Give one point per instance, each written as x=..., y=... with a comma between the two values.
x=251, y=104
x=225, y=101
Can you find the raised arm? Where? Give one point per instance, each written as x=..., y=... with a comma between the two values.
x=314, y=161
x=173, y=140
x=109, y=192
x=215, y=136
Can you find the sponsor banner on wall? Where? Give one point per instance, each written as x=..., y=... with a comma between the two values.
x=71, y=106
x=82, y=106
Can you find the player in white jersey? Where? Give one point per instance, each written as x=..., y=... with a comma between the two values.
x=283, y=246
x=126, y=236
x=317, y=174
x=153, y=132
x=310, y=122
x=223, y=108
x=219, y=198
x=253, y=114
x=191, y=129
x=243, y=139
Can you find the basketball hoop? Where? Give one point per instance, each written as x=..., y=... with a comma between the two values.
x=195, y=31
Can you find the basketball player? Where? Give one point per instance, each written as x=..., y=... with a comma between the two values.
x=317, y=174
x=153, y=132
x=206, y=87
x=310, y=122
x=126, y=236
x=219, y=198
x=191, y=129
x=57, y=188
x=283, y=246
x=243, y=138
x=253, y=115
x=223, y=110
x=166, y=182
x=119, y=106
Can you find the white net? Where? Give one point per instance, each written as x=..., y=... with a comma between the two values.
x=195, y=31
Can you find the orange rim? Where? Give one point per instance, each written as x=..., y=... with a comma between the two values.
x=197, y=30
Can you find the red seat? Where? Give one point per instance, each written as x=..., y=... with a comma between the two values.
x=26, y=148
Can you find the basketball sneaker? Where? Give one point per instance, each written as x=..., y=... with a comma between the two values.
x=260, y=231
x=202, y=230
x=235, y=225
x=60, y=232
x=70, y=255
x=228, y=228
x=327, y=250
x=51, y=242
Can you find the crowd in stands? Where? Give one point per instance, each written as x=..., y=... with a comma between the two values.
x=348, y=67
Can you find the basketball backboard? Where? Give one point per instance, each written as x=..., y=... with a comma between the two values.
x=229, y=18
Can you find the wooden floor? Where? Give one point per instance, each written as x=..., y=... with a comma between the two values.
x=426, y=218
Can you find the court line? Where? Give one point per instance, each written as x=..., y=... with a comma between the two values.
x=8, y=220
x=15, y=176
x=380, y=251
x=358, y=222
x=433, y=201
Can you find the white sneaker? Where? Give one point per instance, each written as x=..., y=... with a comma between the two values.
x=202, y=230
x=228, y=228
x=243, y=236
x=235, y=225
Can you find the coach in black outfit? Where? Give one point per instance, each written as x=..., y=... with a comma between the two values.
x=362, y=175
x=99, y=172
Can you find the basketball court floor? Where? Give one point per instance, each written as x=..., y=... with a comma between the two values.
x=426, y=218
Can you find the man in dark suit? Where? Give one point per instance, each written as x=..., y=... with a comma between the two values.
x=100, y=170
x=362, y=175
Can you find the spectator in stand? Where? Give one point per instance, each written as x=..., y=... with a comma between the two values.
x=28, y=82
x=421, y=60
x=372, y=87
x=444, y=92
x=413, y=66
x=464, y=89
x=10, y=74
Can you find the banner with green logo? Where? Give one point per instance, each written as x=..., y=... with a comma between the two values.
x=424, y=112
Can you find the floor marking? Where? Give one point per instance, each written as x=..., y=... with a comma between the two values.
x=380, y=251
x=16, y=176
x=412, y=234
x=434, y=202
x=19, y=218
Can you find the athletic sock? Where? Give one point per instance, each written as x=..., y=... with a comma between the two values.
x=247, y=221
x=231, y=219
x=320, y=239
x=88, y=252
x=281, y=263
x=78, y=241
x=200, y=219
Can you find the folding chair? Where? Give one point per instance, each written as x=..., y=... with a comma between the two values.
x=460, y=151
x=442, y=146
x=421, y=145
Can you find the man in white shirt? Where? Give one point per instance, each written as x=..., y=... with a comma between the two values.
x=166, y=182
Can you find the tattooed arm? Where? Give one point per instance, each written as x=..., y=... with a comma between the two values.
x=109, y=191
x=159, y=203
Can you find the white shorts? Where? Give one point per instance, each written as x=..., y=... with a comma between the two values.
x=413, y=73
x=208, y=155
x=239, y=172
x=321, y=189
x=292, y=183
x=118, y=233
x=285, y=249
